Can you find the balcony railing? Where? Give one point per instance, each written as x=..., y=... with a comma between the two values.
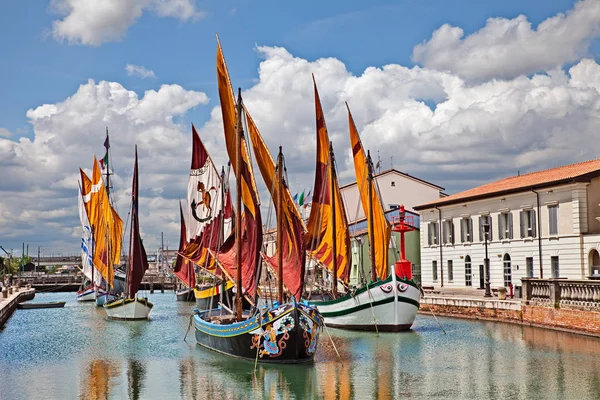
x=558, y=293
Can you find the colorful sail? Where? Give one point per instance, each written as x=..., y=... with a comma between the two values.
x=205, y=198
x=184, y=269
x=292, y=249
x=381, y=227
x=251, y=222
x=87, y=238
x=106, y=224
x=321, y=224
x=207, y=225
x=138, y=261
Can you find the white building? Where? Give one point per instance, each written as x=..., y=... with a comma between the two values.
x=544, y=224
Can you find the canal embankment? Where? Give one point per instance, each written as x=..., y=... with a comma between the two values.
x=9, y=299
x=559, y=304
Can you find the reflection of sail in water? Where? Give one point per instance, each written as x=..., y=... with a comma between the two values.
x=187, y=379
x=136, y=372
x=99, y=374
x=335, y=381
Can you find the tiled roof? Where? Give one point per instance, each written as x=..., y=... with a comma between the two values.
x=523, y=182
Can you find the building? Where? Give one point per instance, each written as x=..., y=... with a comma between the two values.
x=543, y=224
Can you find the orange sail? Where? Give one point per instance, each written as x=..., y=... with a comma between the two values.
x=379, y=228
x=326, y=194
x=292, y=249
x=251, y=222
x=107, y=226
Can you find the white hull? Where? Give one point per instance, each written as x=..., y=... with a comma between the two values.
x=389, y=305
x=87, y=295
x=129, y=309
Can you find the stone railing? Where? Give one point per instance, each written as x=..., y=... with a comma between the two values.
x=581, y=294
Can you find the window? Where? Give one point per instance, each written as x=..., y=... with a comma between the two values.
x=528, y=223
x=507, y=271
x=393, y=184
x=466, y=230
x=468, y=272
x=482, y=219
x=554, y=266
x=434, y=270
x=432, y=233
x=553, y=223
x=448, y=231
x=450, y=271
x=529, y=265
x=505, y=225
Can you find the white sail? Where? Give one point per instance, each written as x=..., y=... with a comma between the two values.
x=87, y=245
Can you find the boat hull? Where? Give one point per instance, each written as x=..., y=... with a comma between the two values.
x=209, y=296
x=185, y=295
x=389, y=305
x=87, y=294
x=102, y=298
x=32, y=306
x=128, y=309
x=285, y=334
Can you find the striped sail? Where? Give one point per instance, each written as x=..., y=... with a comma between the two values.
x=292, y=249
x=320, y=233
x=381, y=229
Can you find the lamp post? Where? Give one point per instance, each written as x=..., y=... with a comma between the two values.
x=486, y=261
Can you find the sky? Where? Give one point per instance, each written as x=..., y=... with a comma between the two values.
x=456, y=93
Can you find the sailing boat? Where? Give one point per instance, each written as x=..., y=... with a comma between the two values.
x=184, y=269
x=87, y=292
x=287, y=332
x=131, y=307
x=105, y=230
x=209, y=221
x=391, y=300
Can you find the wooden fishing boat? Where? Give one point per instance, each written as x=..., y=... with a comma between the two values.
x=51, y=304
x=390, y=301
x=206, y=295
x=287, y=332
x=130, y=307
x=86, y=293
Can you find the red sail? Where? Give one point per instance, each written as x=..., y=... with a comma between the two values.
x=292, y=248
x=251, y=224
x=138, y=261
x=184, y=269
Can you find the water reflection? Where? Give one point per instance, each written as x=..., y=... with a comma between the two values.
x=136, y=372
x=96, y=384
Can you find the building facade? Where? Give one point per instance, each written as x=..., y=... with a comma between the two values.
x=544, y=224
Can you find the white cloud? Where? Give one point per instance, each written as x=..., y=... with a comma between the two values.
x=5, y=133
x=38, y=197
x=139, y=71
x=507, y=48
x=93, y=22
x=436, y=125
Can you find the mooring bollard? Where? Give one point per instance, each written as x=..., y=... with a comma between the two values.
x=16, y=289
x=10, y=290
x=4, y=293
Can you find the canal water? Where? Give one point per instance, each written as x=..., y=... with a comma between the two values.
x=76, y=353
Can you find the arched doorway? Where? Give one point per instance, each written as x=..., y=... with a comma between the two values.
x=507, y=270
x=594, y=263
x=468, y=272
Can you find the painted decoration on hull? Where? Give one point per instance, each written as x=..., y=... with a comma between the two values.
x=309, y=333
x=271, y=345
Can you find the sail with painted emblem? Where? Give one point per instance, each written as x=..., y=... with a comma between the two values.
x=293, y=230
x=327, y=219
x=379, y=228
x=251, y=221
x=87, y=238
x=208, y=223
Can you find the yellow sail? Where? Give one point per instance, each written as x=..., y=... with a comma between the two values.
x=381, y=229
x=107, y=226
x=320, y=232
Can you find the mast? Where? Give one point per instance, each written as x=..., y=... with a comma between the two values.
x=370, y=208
x=108, y=174
x=334, y=235
x=238, y=203
x=280, y=225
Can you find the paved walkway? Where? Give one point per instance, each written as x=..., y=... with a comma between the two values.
x=462, y=293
